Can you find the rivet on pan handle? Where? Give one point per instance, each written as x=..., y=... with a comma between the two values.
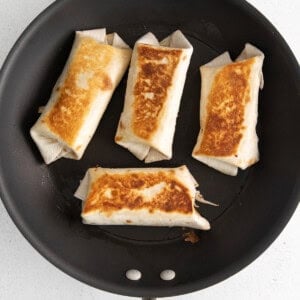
x=166, y=275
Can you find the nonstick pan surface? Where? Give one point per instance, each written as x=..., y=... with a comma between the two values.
x=254, y=206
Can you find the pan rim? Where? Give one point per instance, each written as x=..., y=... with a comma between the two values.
x=214, y=278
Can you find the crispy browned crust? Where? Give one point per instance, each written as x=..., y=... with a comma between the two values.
x=155, y=77
x=112, y=192
x=69, y=112
x=223, y=129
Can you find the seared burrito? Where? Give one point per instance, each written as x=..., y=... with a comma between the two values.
x=155, y=83
x=228, y=111
x=148, y=197
x=94, y=68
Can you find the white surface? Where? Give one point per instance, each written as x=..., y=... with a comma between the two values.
x=27, y=275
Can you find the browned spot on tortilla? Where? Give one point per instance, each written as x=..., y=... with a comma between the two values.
x=74, y=101
x=156, y=67
x=126, y=192
x=106, y=83
x=121, y=125
x=229, y=94
x=118, y=138
x=78, y=148
x=128, y=221
x=251, y=161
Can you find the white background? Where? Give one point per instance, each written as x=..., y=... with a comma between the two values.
x=27, y=275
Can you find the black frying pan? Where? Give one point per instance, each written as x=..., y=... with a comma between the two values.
x=254, y=206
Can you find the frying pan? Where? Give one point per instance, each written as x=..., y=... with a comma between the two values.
x=254, y=206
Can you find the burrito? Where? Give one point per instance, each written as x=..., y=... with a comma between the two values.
x=94, y=68
x=155, y=83
x=148, y=197
x=228, y=111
